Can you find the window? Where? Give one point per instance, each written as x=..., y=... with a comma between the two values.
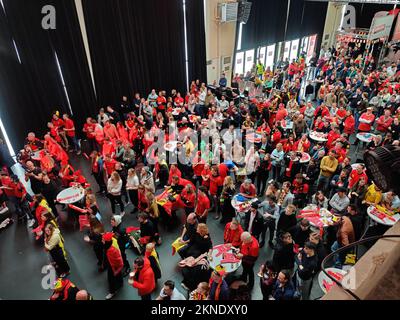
x=311, y=46
x=261, y=54
x=294, y=50
x=239, y=63
x=286, y=51
x=269, y=61
x=249, y=60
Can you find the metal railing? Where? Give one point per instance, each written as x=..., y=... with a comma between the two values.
x=352, y=245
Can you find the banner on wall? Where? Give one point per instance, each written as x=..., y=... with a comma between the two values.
x=396, y=33
x=380, y=27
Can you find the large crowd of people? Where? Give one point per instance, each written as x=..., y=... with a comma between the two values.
x=200, y=151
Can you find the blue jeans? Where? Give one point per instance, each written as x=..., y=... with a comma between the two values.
x=323, y=183
x=357, y=119
x=337, y=260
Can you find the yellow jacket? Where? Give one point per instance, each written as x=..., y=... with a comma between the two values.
x=328, y=166
x=373, y=196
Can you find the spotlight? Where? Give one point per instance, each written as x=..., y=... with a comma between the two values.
x=383, y=166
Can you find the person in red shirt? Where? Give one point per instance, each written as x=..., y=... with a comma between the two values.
x=54, y=132
x=349, y=123
x=366, y=121
x=198, y=167
x=302, y=145
x=300, y=190
x=89, y=128
x=203, y=205
x=59, y=124
x=161, y=103
x=174, y=171
x=356, y=174
x=384, y=122
x=178, y=101
x=281, y=113
x=108, y=148
x=248, y=189
x=205, y=176
x=322, y=111
x=143, y=278
x=69, y=128
x=110, y=131
x=232, y=233
x=249, y=251
x=333, y=135
x=109, y=165
x=223, y=170
x=288, y=145
x=188, y=199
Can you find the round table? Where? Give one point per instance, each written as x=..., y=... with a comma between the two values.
x=365, y=136
x=323, y=279
x=171, y=146
x=287, y=125
x=71, y=195
x=193, y=118
x=324, y=219
x=241, y=207
x=385, y=219
x=36, y=155
x=221, y=252
x=318, y=136
x=305, y=157
x=253, y=137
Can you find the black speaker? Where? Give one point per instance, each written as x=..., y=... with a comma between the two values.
x=244, y=11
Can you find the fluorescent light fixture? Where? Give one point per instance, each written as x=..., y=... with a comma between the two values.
x=2, y=4
x=16, y=51
x=4, y=132
x=239, y=44
x=63, y=83
x=186, y=45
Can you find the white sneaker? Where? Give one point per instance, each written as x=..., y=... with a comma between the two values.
x=31, y=223
x=122, y=214
x=110, y=296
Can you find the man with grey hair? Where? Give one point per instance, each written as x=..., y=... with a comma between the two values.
x=249, y=250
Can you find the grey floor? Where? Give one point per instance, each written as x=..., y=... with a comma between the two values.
x=22, y=260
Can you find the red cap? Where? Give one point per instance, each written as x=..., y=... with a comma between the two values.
x=107, y=237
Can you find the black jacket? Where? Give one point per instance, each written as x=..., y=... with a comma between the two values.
x=286, y=222
x=299, y=236
x=283, y=257
x=309, y=266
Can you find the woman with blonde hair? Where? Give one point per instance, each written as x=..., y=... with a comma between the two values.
x=201, y=292
x=228, y=191
x=153, y=212
x=54, y=244
x=114, y=186
x=132, y=186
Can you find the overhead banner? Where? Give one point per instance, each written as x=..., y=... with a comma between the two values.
x=380, y=27
x=396, y=33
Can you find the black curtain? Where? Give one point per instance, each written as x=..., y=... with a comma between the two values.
x=365, y=12
x=266, y=24
x=36, y=77
x=267, y=21
x=68, y=43
x=196, y=37
x=34, y=87
x=135, y=46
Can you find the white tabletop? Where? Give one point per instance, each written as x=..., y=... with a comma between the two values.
x=71, y=195
x=317, y=136
x=36, y=155
x=387, y=221
x=322, y=276
x=325, y=216
x=240, y=206
x=365, y=136
x=171, y=146
x=215, y=262
x=305, y=157
x=253, y=137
